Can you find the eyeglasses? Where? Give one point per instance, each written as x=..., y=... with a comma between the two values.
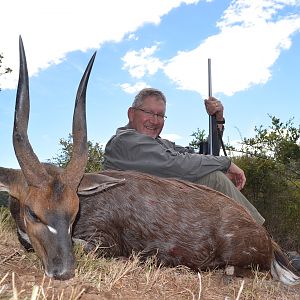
x=160, y=117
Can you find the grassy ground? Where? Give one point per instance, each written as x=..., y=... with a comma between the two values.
x=21, y=277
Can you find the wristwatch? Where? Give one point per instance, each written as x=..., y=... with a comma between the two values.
x=221, y=122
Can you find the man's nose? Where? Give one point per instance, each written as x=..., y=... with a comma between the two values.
x=154, y=118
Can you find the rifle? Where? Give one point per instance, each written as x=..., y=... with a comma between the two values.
x=213, y=137
x=212, y=146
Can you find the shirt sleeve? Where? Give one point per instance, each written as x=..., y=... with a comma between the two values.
x=131, y=150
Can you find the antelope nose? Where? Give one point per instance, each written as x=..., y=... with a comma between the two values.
x=61, y=269
x=63, y=275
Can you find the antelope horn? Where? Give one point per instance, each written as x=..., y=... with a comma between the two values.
x=75, y=168
x=33, y=170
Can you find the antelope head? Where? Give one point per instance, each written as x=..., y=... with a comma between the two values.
x=47, y=198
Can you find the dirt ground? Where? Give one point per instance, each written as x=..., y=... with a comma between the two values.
x=21, y=277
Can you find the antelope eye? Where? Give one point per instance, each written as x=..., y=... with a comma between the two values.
x=30, y=213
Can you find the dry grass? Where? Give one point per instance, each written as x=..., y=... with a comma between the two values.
x=21, y=277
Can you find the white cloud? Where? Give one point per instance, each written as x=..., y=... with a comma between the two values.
x=132, y=37
x=132, y=89
x=252, y=36
x=51, y=29
x=141, y=63
x=241, y=57
x=250, y=13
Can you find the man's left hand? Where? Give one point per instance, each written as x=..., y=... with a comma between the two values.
x=214, y=107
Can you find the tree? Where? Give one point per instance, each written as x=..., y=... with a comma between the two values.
x=199, y=138
x=271, y=162
x=3, y=70
x=95, y=155
x=280, y=143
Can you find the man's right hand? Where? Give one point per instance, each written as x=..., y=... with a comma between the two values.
x=214, y=107
x=237, y=175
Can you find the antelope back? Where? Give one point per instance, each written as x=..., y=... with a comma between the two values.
x=179, y=222
x=47, y=199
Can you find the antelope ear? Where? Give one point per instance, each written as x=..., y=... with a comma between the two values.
x=93, y=183
x=4, y=187
x=12, y=181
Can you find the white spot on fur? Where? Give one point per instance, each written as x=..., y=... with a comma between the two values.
x=24, y=235
x=229, y=235
x=51, y=229
x=25, y=222
x=229, y=270
x=4, y=188
x=284, y=275
x=70, y=229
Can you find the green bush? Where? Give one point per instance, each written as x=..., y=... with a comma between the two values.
x=271, y=162
x=277, y=199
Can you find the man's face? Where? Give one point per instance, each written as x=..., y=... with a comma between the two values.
x=148, y=118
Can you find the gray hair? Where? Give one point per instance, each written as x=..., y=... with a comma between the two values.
x=144, y=93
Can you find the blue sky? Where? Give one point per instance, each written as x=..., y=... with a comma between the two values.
x=254, y=47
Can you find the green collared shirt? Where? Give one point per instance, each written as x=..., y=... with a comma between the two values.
x=131, y=150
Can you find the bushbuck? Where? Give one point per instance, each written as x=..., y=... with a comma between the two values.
x=119, y=213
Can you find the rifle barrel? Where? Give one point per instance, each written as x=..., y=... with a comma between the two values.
x=209, y=79
x=211, y=118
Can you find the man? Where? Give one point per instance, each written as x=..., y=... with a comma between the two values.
x=138, y=146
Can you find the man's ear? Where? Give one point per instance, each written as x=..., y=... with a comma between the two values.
x=130, y=114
